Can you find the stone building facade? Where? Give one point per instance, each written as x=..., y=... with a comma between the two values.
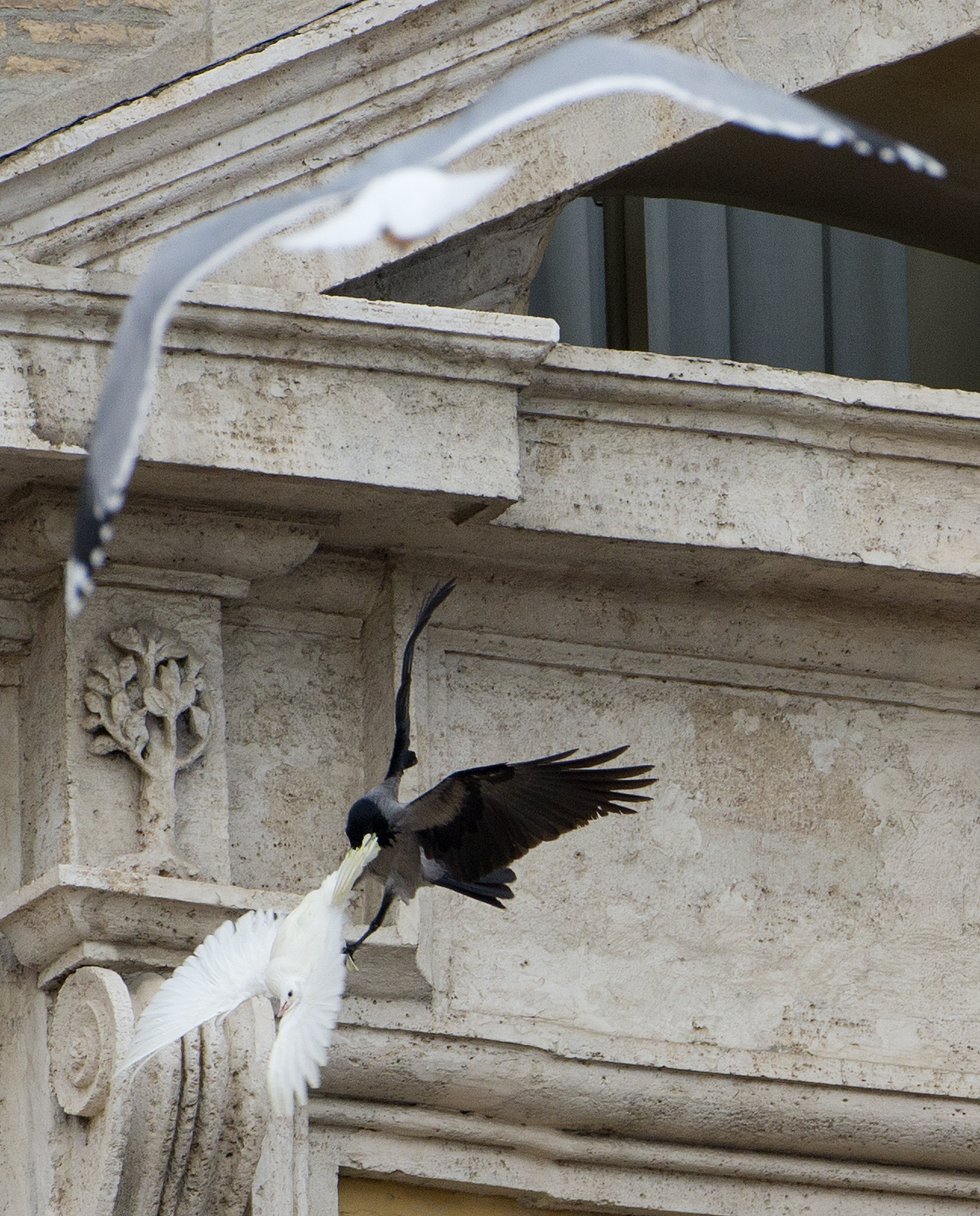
x=758, y=996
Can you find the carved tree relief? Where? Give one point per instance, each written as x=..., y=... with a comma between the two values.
x=149, y=700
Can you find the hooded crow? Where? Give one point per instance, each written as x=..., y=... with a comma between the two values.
x=464, y=832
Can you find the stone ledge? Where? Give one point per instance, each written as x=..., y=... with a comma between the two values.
x=539, y=1089
x=601, y=447
x=384, y=1139
x=74, y=916
x=864, y=417
x=713, y=454
x=398, y=396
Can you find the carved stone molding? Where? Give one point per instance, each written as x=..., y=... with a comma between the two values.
x=200, y=1113
x=387, y=69
x=615, y=1104
x=90, y=1027
x=152, y=703
x=180, y=1137
x=615, y=1172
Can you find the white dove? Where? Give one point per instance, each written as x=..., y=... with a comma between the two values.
x=297, y=960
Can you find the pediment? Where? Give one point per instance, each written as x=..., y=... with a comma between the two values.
x=102, y=192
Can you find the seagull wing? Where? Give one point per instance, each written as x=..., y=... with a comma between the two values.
x=226, y=969
x=480, y=819
x=588, y=67
x=599, y=66
x=181, y=261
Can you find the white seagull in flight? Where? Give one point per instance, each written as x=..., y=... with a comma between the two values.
x=403, y=190
x=297, y=960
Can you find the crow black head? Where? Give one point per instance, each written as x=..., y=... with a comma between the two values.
x=365, y=817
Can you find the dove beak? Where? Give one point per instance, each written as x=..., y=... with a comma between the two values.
x=284, y=1007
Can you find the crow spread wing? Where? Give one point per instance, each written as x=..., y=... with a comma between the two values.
x=480, y=819
x=402, y=756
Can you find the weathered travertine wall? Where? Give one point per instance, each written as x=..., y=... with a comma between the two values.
x=758, y=995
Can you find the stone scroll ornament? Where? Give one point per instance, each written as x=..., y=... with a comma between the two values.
x=147, y=697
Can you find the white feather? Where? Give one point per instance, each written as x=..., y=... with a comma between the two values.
x=227, y=968
x=306, y=1029
x=260, y=954
x=311, y=948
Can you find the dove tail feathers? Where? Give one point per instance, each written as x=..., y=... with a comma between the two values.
x=341, y=882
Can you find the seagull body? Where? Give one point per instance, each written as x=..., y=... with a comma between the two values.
x=404, y=205
x=297, y=961
x=404, y=190
x=464, y=832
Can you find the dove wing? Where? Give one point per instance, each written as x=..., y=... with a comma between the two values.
x=226, y=969
x=306, y=1028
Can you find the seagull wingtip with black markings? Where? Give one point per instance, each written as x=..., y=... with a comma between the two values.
x=79, y=585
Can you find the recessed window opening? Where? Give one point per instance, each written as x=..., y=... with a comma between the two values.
x=709, y=280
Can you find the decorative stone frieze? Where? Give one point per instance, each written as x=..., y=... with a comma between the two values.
x=149, y=700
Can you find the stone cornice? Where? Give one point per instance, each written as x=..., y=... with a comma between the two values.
x=75, y=916
x=52, y=302
x=712, y=453
x=380, y=394
x=301, y=106
x=305, y=105
x=427, y=1144
x=533, y=1088
x=748, y=400
x=462, y=415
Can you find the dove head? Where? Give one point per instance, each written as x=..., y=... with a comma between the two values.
x=285, y=987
